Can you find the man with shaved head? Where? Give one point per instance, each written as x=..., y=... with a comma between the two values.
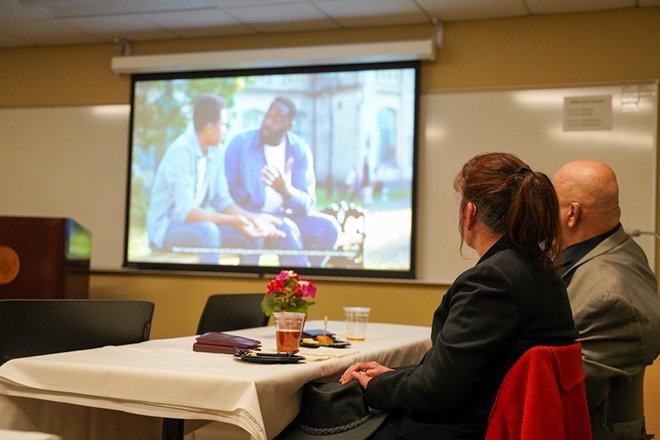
x=613, y=295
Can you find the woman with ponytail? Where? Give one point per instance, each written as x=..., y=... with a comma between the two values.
x=510, y=301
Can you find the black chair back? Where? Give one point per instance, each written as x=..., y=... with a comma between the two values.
x=627, y=409
x=232, y=311
x=30, y=327
x=627, y=400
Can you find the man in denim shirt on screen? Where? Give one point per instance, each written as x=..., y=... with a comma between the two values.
x=190, y=205
x=270, y=170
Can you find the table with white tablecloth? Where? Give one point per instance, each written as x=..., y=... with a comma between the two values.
x=10, y=434
x=166, y=379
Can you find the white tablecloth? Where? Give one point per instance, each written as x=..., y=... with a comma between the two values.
x=6, y=434
x=165, y=378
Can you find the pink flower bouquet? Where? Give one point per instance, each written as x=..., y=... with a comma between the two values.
x=287, y=292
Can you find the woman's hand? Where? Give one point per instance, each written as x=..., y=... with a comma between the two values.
x=363, y=372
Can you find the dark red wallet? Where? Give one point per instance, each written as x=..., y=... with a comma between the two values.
x=217, y=342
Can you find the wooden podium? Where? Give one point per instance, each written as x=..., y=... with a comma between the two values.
x=43, y=258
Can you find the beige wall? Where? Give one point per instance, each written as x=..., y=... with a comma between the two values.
x=573, y=49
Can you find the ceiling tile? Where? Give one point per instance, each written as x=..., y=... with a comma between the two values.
x=472, y=9
x=300, y=16
x=130, y=27
x=224, y=4
x=562, y=6
x=87, y=8
x=351, y=13
x=48, y=32
x=105, y=20
x=10, y=10
x=198, y=23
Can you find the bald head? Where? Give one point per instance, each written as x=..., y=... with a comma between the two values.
x=588, y=196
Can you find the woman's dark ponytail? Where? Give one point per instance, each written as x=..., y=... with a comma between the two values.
x=514, y=201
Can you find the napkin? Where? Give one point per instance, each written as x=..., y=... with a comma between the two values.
x=324, y=353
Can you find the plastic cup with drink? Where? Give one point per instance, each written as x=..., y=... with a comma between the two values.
x=356, y=322
x=288, y=329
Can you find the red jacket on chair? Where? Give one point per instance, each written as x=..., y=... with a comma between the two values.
x=542, y=397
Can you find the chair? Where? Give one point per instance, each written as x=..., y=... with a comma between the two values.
x=30, y=327
x=542, y=397
x=232, y=311
x=627, y=409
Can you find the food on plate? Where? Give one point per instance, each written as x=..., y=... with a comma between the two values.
x=325, y=339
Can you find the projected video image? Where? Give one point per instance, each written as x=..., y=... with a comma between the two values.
x=307, y=169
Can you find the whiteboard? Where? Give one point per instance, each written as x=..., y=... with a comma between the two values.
x=530, y=124
x=69, y=162
x=72, y=162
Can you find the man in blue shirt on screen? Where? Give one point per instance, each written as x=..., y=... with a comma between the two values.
x=271, y=170
x=190, y=205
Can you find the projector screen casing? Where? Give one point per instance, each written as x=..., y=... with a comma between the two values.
x=360, y=122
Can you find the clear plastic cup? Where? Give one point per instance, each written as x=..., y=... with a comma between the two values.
x=288, y=329
x=356, y=322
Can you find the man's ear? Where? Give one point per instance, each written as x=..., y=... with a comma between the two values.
x=574, y=214
x=206, y=129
